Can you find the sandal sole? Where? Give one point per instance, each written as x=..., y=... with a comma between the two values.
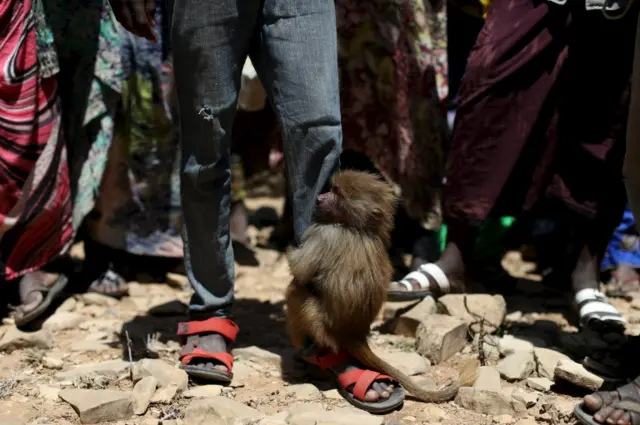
x=399, y=296
x=584, y=417
x=53, y=293
x=208, y=374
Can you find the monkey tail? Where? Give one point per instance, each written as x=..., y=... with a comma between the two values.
x=365, y=355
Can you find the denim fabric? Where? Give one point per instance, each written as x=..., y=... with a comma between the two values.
x=292, y=44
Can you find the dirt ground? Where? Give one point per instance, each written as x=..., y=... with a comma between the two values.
x=89, y=330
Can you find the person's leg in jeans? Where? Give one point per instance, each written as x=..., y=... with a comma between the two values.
x=295, y=55
x=210, y=40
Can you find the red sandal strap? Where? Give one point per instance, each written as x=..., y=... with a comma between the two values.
x=329, y=360
x=363, y=379
x=198, y=353
x=225, y=327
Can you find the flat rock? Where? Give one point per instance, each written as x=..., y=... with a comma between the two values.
x=510, y=344
x=52, y=362
x=575, y=373
x=164, y=395
x=343, y=416
x=547, y=360
x=527, y=421
x=142, y=393
x=304, y=392
x=332, y=394
x=408, y=363
x=504, y=419
x=50, y=393
x=165, y=373
x=257, y=355
x=94, y=406
x=63, y=320
x=473, y=307
x=517, y=366
x=486, y=402
x=218, y=411
x=203, y=391
x=109, y=368
x=14, y=339
x=67, y=305
x=92, y=298
x=408, y=316
x=527, y=398
x=488, y=379
x=439, y=337
x=539, y=384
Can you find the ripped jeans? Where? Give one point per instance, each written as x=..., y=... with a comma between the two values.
x=292, y=44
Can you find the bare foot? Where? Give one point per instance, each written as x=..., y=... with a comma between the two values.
x=109, y=283
x=239, y=223
x=379, y=389
x=212, y=343
x=602, y=404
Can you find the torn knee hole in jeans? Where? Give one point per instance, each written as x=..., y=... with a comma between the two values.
x=206, y=112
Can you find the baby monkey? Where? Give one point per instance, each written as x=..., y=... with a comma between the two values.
x=341, y=273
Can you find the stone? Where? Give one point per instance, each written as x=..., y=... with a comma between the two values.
x=547, y=360
x=142, y=393
x=52, y=362
x=94, y=406
x=88, y=346
x=203, y=391
x=257, y=355
x=504, y=419
x=92, y=298
x=50, y=393
x=406, y=320
x=408, y=363
x=242, y=374
x=67, y=305
x=164, y=395
x=113, y=368
x=485, y=402
x=63, y=320
x=529, y=399
x=517, y=366
x=439, y=337
x=343, y=416
x=488, y=379
x=304, y=392
x=165, y=373
x=473, y=307
x=575, y=373
x=510, y=344
x=332, y=394
x=434, y=412
x=14, y=339
x=218, y=411
x=540, y=384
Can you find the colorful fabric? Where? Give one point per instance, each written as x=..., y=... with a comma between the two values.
x=393, y=74
x=139, y=205
x=35, y=207
x=87, y=43
x=624, y=247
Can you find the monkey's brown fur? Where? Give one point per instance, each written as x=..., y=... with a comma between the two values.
x=341, y=273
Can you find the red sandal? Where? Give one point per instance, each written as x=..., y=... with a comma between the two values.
x=361, y=379
x=225, y=327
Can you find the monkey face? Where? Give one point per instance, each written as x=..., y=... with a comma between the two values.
x=360, y=201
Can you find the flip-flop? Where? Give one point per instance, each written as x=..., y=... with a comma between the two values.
x=422, y=277
x=596, y=313
x=225, y=327
x=50, y=294
x=627, y=394
x=361, y=379
x=112, y=277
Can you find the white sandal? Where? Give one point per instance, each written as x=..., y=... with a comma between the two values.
x=422, y=277
x=595, y=311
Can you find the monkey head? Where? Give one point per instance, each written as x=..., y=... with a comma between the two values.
x=360, y=201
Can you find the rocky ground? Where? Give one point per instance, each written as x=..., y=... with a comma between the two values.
x=98, y=360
